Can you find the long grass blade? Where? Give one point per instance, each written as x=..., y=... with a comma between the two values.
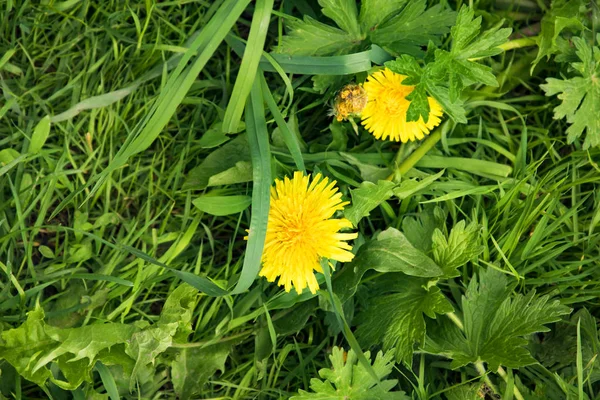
x=247, y=72
x=258, y=138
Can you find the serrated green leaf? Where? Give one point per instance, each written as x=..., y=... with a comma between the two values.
x=366, y=198
x=348, y=379
x=374, y=12
x=460, y=247
x=222, y=205
x=413, y=27
x=313, y=38
x=192, y=367
x=419, y=230
x=495, y=324
x=394, y=314
x=84, y=342
x=580, y=95
x=343, y=13
x=563, y=14
x=22, y=346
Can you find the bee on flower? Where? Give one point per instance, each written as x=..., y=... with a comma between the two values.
x=383, y=108
x=349, y=102
x=302, y=230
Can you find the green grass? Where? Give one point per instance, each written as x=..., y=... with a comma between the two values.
x=98, y=225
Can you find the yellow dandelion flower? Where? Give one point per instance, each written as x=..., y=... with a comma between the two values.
x=385, y=113
x=301, y=231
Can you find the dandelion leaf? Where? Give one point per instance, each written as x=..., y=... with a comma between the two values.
x=496, y=324
x=580, y=95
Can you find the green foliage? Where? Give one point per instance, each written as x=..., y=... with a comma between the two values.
x=399, y=26
x=580, y=95
x=563, y=14
x=348, y=379
x=460, y=247
x=452, y=71
x=366, y=198
x=495, y=324
x=395, y=313
x=192, y=367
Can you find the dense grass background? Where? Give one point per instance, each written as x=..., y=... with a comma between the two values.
x=73, y=214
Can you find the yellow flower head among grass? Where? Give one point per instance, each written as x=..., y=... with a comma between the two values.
x=301, y=231
x=385, y=113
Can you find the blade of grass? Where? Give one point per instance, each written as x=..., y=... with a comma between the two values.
x=258, y=138
x=250, y=60
x=309, y=65
x=288, y=136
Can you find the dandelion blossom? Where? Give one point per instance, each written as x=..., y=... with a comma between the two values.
x=301, y=231
x=385, y=113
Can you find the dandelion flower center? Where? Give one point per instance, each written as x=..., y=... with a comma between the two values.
x=385, y=113
x=393, y=100
x=301, y=231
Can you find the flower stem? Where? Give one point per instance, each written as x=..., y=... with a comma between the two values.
x=519, y=43
x=416, y=155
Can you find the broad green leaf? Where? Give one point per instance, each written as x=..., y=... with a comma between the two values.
x=40, y=135
x=213, y=137
x=374, y=12
x=192, y=367
x=240, y=173
x=85, y=342
x=415, y=26
x=22, y=347
x=389, y=252
x=222, y=205
x=580, y=95
x=465, y=392
x=367, y=197
x=563, y=14
x=348, y=379
x=495, y=324
x=7, y=156
x=178, y=308
x=343, y=13
x=220, y=160
x=460, y=247
x=394, y=314
x=419, y=230
x=313, y=38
